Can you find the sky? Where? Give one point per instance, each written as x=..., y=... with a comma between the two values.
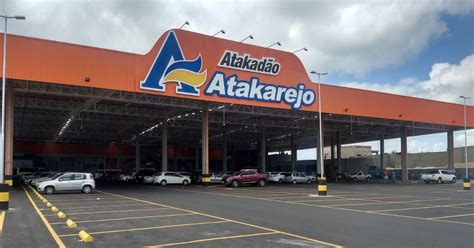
x=422, y=48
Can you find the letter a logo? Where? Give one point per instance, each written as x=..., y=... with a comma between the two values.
x=171, y=66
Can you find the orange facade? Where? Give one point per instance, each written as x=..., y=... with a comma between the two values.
x=61, y=63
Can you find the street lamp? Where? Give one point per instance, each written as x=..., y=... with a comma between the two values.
x=320, y=130
x=276, y=43
x=184, y=24
x=304, y=48
x=220, y=32
x=466, y=179
x=2, y=134
x=248, y=37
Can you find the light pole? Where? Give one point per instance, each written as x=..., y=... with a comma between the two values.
x=220, y=32
x=323, y=190
x=184, y=24
x=276, y=43
x=248, y=37
x=2, y=133
x=301, y=49
x=467, y=181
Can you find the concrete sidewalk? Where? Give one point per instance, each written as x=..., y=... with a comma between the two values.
x=23, y=227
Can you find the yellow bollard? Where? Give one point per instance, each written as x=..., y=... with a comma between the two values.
x=44, y=200
x=71, y=224
x=49, y=204
x=55, y=209
x=85, y=237
x=61, y=215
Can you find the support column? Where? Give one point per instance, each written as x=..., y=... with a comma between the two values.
x=338, y=145
x=293, y=153
x=9, y=136
x=205, y=146
x=224, y=151
x=318, y=155
x=382, y=152
x=263, y=152
x=404, y=151
x=450, y=149
x=137, y=153
x=164, y=147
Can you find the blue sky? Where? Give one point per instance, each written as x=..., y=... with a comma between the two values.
x=451, y=47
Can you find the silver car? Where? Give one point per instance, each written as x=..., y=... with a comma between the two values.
x=70, y=181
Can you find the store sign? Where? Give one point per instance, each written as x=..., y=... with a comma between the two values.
x=171, y=66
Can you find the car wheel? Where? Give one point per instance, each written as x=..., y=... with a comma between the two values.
x=309, y=181
x=454, y=180
x=87, y=189
x=163, y=183
x=185, y=182
x=280, y=181
x=49, y=190
x=293, y=182
x=368, y=179
x=440, y=180
x=427, y=182
x=235, y=183
x=262, y=183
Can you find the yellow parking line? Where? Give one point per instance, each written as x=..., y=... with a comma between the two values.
x=149, y=228
x=2, y=219
x=55, y=236
x=127, y=218
x=213, y=239
x=112, y=211
x=229, y=220
x=113, y=206
x=450, y=216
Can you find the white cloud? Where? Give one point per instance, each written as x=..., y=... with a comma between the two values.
x=344, y=36
x=446, y=83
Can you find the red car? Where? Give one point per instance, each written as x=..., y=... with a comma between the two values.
x=247, y=177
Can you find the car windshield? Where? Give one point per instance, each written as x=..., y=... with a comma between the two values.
x=434, y=172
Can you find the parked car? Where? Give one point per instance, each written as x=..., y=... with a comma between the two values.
x=70, y=181
x=139, y=178
x=297, y=177
x=36, y=181
x=225, y=175
x=129, y=176
x=111, y=175
x=247, y=177
x=359, y=176
x=23, y=171
x=278, y=177
x=165, y=178
x=439, y=176
x=29, y=179
x=216, y=177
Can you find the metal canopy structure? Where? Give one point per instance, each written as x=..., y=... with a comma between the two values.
x=73, y=114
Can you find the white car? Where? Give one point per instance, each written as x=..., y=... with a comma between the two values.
x=216, y=177
x=298, y=177
x=439, y=176
x=71, y=181
x=42, y=178
x=359, y=176
x=164, y=178
x=278, y=177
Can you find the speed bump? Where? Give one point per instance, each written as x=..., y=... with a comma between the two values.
x=61, y=215
x=44, y=200
x=85, y=237
x=71, y=224
x=49, y=204
x=55, y=209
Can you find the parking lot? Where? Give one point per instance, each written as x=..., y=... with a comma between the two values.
x=353, y=215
